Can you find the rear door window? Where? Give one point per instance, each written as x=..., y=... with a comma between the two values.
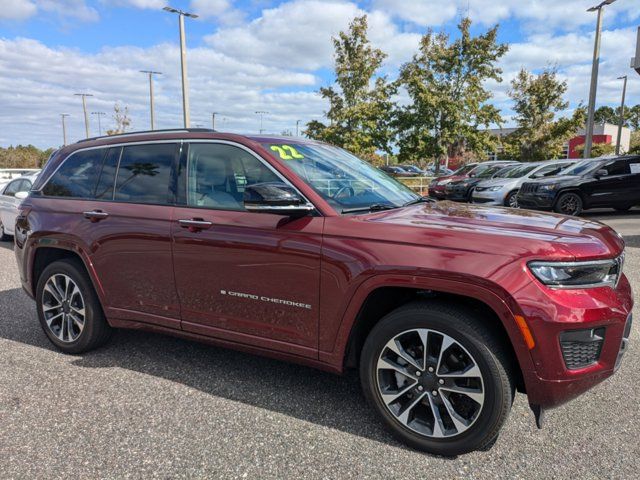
x=78, y=175
x=107, y=178
x=144, y=174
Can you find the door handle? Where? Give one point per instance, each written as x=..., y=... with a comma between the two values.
x=195, y=224
x=95, y=215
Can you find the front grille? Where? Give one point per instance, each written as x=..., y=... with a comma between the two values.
x=581, y=348
x=528, y=188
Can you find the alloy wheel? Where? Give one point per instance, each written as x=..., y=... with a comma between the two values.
x=569, y=204
x=512, y=201
x=430, y=383
x=63, y=307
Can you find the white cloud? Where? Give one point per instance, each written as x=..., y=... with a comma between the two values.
x=17, y=10
x=220, y=9
x=23, y=9
x=298, y=35
x=218, y=83
x=154, y=4
x=536, y=15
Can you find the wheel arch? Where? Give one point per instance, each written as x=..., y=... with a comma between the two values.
x=575, y=190
x=382, y=299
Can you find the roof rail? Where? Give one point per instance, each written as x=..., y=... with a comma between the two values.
x=150, y=132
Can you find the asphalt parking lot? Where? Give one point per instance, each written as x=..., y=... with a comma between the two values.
x=152, y=406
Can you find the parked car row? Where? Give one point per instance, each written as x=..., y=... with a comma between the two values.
x=413, y=171
x=564, y=186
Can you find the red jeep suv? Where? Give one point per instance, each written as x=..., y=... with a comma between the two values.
x=298, y=250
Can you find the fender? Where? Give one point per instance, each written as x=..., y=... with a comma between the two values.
x=62, y=242
x=504, y=307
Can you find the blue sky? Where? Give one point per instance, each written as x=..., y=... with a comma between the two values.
x=254, y=55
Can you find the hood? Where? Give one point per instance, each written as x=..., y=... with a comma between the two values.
x=554, y=180
x=497, y=230
x=451, y=178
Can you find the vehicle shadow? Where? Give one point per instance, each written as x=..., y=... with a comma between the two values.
x=304, y=393
x=7, y=245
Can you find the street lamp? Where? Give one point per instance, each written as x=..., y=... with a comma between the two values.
x=261, y=113
x=183, y=61
x=84, y=108
x=151, y=73
x=99, y=114
x=588, y=141
x=621, y=121
x=213, y=120
x=64, y=128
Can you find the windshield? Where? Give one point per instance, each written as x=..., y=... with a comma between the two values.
x=464, y=170
x=343, y=180
x=581, y=168
x=520, y=171
x=486, y=171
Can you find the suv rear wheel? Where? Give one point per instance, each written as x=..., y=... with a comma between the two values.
x=438, y=378
x=68, y=308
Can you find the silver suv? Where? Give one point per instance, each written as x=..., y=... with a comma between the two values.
x=504, y=190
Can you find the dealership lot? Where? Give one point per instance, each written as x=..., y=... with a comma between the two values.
x=153, y=406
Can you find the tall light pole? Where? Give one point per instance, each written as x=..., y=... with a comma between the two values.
x=588, y=141
x=261, y=113
x=621, y=120
x=183, y=62
x=297, y=123
x=64, y=128
x=213, y=120
x=99, y=114
x=84, y=108
x=151, y=73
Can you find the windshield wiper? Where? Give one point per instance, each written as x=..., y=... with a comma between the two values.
x=419, y=200
x=374, y=207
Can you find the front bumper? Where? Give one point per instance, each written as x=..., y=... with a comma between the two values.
x=549, y=314
x=536, y=200
x=457, y=193
x=487, y=197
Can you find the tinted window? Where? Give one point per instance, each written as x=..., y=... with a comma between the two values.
x=145, y=172
x=218, y=175
x=106, y=181
x=619, y=167
x=12, y=188
x=77, y=176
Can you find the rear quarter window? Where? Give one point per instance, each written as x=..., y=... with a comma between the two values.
x=77, y=176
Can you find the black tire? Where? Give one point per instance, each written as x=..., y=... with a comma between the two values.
x=569, y=203
x=489, y=354
x=3, y=236
x=511, y=200
x=96, y=330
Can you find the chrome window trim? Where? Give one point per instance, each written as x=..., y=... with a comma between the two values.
x=180, y=141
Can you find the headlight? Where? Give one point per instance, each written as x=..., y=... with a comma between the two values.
x=547, y=187
x=599, y=273
x=495, y=189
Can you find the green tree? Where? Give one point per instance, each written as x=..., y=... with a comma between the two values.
x=606, y=114
x=23, y=156
x=446, y=81
x=360, y=109
x=634, y=146
x=537, y=100
x=597, y=149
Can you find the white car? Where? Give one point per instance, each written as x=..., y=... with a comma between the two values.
x=11, y=194
x=7, y=174
x=504, y=190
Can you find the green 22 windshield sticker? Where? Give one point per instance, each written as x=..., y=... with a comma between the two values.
x=286, y=152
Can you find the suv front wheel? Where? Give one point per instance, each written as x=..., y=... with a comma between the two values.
x=68, y=308
x=438, y=378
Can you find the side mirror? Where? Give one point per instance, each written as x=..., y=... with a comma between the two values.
x=21, y=195
x=275, y=197
x=601, y=173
